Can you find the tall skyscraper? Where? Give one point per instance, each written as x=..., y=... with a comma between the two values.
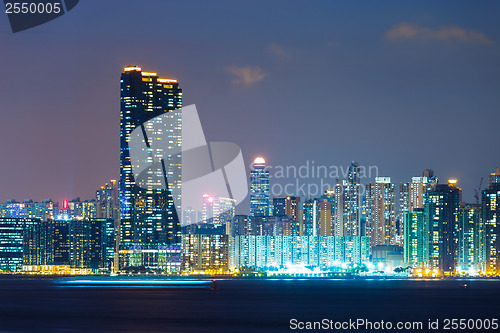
x=381, y=212
x=470, y=239
x=352, y=223
x=416, y=239
x=441, y=205
x=148, y=213
x=309, y=219
x=338, y=222
x=259, y=188
x=491, y=220
x=347, y=204
x=108, y=202
x=325, y=218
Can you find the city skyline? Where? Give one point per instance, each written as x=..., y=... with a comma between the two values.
x=219, y=165
x=413, y=87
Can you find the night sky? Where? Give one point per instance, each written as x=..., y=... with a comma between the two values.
x=403, y=85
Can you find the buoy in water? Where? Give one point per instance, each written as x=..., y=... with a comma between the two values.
x=213, y=285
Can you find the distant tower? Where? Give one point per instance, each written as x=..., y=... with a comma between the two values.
x=286, y=206
x=259, y=188
x=429, y=173
x=310, y=217
x=347, y=200
x=325, y=208
x=217, y=211
x=494, y=178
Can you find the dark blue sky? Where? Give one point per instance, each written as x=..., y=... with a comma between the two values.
x=403, y=85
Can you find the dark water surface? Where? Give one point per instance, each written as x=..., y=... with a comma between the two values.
x=244, y=305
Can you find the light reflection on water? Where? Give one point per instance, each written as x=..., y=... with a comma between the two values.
x=131, y=283
x=135, y=304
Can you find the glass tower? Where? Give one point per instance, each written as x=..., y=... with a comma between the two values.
x=148, y=212
x=259, y=188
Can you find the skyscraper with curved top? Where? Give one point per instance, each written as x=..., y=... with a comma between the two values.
x=259, y=188
x=148, y=213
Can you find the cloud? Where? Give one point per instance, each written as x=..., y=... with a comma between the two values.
x=246, y=75
x=279, y=51
x=452, y=33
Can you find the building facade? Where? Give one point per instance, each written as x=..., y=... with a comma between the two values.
x=416, y=239
x=273, y=252
x=470, y=239
x=149, y=215
x=259, y=188
x=491, y=221
x=381, y=212
x=441, y=205
x=11, y=243
x=205, y=253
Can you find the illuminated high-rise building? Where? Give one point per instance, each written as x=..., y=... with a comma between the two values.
x=288, y=206
x=259, y=188
x=441, y=204
x=329, y=196
x=381, y=212
x=411, y=195
x=11, y=243
x=338, y=220
x=470, y=239
x=416, y=239
x=205, y=253
x=491, y=221
x=148, y=213
x=82, y=209
x=241, y=225
x=29, y=209
x=494, y=177
x=352, y=222
x=325, y=218
x=309, y=219
x=217, y=211
x=108, y=202
x=347, y=204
